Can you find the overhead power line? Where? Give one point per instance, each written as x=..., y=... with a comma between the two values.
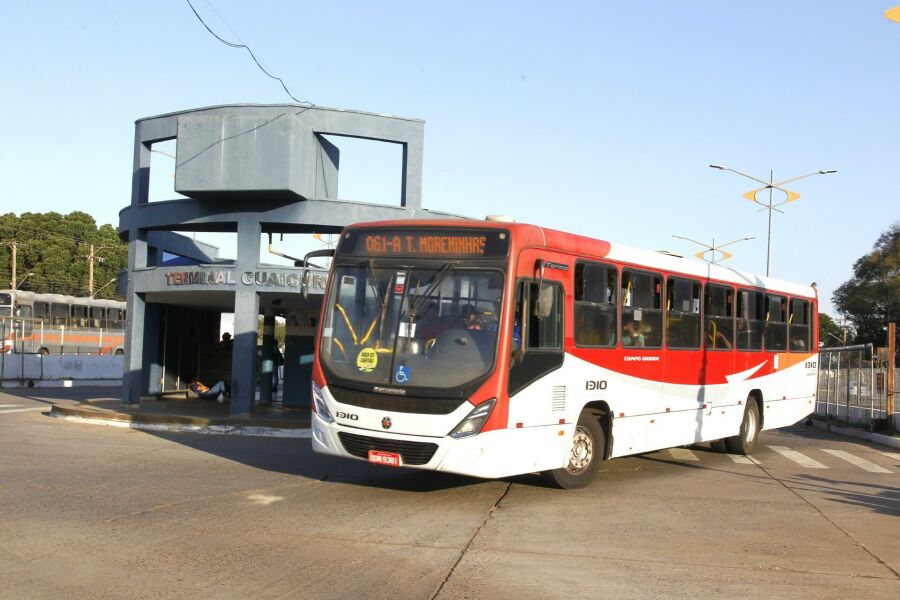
x=247, y=48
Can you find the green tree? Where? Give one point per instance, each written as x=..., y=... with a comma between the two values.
x=871, y=298
x=830, y=333
x=54, y=248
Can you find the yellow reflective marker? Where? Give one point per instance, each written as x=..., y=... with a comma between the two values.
x=751, y=195
x=791, y=196
x=893, y=14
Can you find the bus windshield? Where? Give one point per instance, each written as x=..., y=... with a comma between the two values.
x=411, y=327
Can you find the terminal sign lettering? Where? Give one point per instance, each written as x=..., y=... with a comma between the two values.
x=433, y=244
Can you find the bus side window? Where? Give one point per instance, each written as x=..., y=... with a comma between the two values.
x=799, y=326
x=595, y=305
x=719, y=308
x=751, y=320
x=682, y=313
x=97, y=320
x=79, y=317
x=776, y=323
x=23, y=311
x=642, y=309
x=59, y=314
x=42, y=312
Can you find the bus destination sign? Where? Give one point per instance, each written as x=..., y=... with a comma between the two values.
x=432, y=243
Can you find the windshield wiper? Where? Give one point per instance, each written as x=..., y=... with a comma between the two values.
x=420, y=299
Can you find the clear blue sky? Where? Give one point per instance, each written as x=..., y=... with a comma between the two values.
x=598, y=118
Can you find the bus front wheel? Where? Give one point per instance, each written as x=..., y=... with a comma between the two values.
x=44, y=350
x=745, y=440
x=584, y=456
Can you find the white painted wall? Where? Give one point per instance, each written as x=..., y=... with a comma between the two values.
x=73, y=367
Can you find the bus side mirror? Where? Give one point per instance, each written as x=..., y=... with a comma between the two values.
x=544, y=303
x=544, y=306
x=304, y=284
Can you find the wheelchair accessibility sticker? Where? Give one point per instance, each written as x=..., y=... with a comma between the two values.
x=402, y=375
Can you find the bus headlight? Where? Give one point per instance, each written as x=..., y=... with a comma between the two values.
x=475, y=420
x=321, y=407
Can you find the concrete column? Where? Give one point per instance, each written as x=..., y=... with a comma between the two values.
x=246, y=317
x=132, y=378
x=268, y=364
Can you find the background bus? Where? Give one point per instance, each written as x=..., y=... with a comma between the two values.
x=58, y=324
x=580, y=350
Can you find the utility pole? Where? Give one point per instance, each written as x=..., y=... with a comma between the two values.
x=12, y=282
x=91, y=258
x=891, y=364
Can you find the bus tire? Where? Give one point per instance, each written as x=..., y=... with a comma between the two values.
x=745, y=440
x=44, y=350
x=584, y=456
x=119, y=352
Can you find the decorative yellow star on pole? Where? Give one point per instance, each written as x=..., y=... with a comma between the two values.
x=893, y=14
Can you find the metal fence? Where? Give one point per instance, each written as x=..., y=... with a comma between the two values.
x=852, y=387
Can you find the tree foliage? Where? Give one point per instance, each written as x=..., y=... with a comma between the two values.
x=871, y=298
x=830, y=333
x=55, y=249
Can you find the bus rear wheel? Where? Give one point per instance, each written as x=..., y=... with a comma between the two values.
x=584, y=456
x=44, y=350
x=745, y=440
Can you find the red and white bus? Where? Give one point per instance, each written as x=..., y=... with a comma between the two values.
x=57, y=324
x=494, y=348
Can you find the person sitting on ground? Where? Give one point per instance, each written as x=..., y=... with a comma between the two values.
x=217, y=391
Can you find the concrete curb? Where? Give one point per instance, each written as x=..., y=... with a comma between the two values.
x=877, y=438
x=179, y=424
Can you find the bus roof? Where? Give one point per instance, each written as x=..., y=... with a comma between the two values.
x=26, y=296
x=525, y=235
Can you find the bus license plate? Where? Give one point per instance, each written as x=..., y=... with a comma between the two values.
x=384, y=458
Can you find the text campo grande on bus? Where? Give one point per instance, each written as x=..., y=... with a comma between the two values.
x=267, y=278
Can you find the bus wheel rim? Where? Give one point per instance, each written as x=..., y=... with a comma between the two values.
x=582, y=451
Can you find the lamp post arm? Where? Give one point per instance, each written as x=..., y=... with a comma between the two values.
x=744, y=239
x=762, y=181
x=800, y=177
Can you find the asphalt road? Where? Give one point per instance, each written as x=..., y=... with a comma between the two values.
x=98, y=512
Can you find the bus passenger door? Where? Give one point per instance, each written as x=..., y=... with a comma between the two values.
x=536, y=383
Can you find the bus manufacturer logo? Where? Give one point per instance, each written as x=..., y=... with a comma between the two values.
x=386, y=423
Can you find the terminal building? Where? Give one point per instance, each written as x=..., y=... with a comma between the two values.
x=256, y=171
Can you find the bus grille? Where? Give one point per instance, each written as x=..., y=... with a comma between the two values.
x=404, y=404
x=413, y=453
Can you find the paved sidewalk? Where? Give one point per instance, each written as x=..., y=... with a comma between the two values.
x=102, y=404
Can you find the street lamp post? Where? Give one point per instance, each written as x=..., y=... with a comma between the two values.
x=21, y=281
x=713, y=248
x=771, y=185
x=98, y=290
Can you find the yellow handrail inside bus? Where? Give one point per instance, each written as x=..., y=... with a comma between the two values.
x=371, y=329
x=712, y=333
x=347, y=321
x=341, y=347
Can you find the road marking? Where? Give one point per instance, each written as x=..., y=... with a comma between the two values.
x=9, y=405
x=682, y=454
x=893, y=455
x=862, y=463
x=741, y=459
x=18, y=410
x=800, y=459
